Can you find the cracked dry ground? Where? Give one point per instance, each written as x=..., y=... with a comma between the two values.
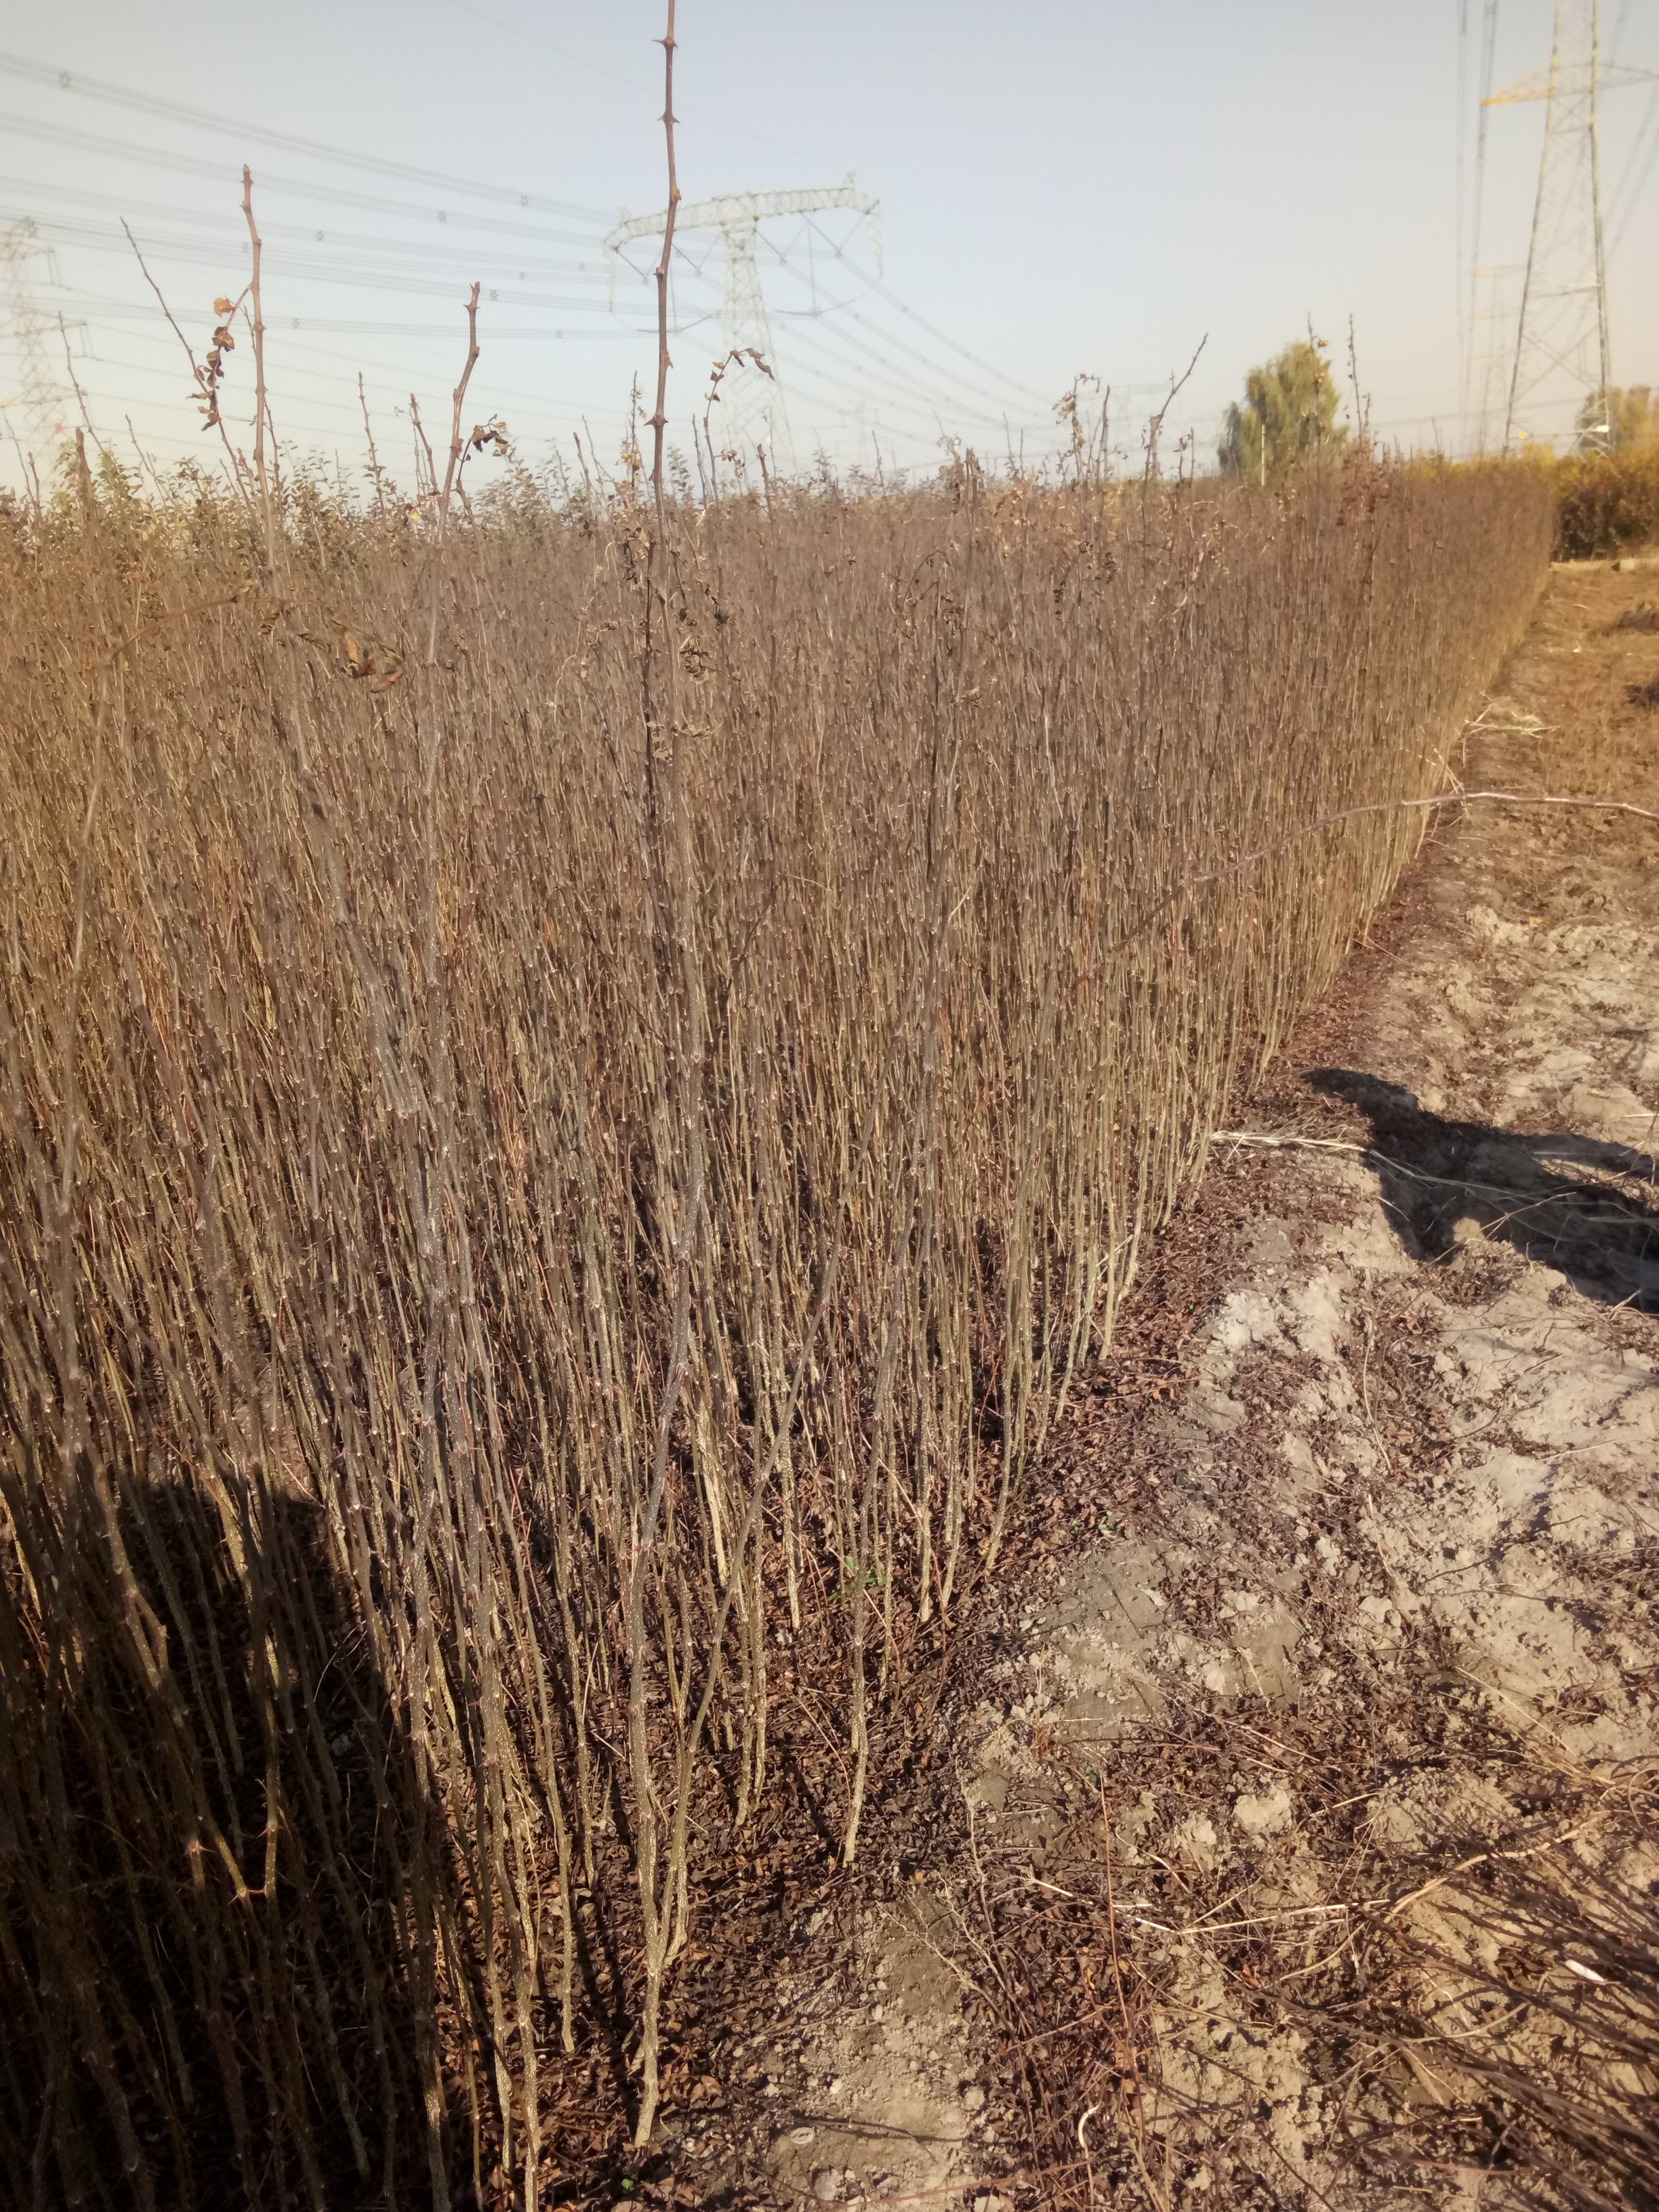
x=1283, y=1830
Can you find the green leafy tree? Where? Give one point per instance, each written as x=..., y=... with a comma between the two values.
x=1620, y=418
x=1287, y=417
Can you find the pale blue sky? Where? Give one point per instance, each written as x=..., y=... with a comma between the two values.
x=1065, y=187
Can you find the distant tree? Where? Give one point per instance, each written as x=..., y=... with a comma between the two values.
x=1288, y=415
x=1620, y=418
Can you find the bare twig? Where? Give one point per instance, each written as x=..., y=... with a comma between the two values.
x=373, y=457
x=80, y=395
x=1154, y=428
x=259, y=404
x=456, y=440
x=203, y=383
x=1492, y=1858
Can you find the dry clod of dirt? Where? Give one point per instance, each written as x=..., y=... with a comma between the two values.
x=887, y=2103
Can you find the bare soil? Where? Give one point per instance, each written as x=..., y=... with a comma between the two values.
x=1268, y=1824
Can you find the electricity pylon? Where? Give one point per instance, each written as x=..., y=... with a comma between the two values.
x=751, y=402
x=1562, y=348
x=1490, y=362
x=39, y=394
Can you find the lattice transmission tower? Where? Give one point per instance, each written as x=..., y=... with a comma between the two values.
x=753, y=405
x=1562, y=348
x=38, y=396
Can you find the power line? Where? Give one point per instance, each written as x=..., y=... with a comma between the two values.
x=227, y=126
x=996, y=400
x=470, y=259
x=835, y=341
x=944, y=338
x=1628, y=193
x=495, y=390
x=356, y=276
x=226, y=174
x=279, y=325
x=923, y=384
x=535, y=415
x=834, y=312
x=1463, y=137
x=1488, y=59
x=944, y=404
x=918, y=404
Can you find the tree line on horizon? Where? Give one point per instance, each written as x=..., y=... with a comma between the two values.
x=1286, y=419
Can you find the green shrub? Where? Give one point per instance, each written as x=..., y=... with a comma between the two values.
x=1606, y=502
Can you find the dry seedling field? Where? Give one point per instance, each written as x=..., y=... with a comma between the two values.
x=577, y=1081
x=555, y=1172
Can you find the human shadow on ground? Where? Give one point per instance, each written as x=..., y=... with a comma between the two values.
x=1601, y=1234
x=216, y=1848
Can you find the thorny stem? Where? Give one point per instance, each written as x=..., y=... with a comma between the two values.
x=457, y=445
x=238, y=466
x=660, y=416
x=258, y=370
x=80, y=395
x=654, y=1896
x=373, y=457
x=1155, y=427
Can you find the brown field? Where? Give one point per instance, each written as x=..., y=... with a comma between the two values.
x=552, y=1184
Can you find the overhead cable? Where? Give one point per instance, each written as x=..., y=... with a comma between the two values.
x=598, y=334
x=199, y=118
x=226, y=173
x=897, y=377
x=25, y=190
x=846, y=311
x=101, y=238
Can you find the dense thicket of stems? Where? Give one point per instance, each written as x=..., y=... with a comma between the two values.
x=356, y=1224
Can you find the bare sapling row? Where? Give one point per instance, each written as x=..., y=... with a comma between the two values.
x=579, y=1076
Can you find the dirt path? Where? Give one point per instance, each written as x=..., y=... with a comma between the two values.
x=1342, y=1578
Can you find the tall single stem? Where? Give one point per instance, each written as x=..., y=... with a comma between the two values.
x=677, y=884
x=660, y=416
x=259, y=371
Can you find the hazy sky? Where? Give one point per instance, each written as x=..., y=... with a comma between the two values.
x=1063, y=188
